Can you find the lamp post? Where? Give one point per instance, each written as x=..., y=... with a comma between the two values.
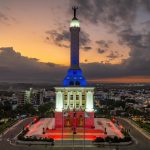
x=62, y=123
x=84, y=131
x=74, y=125
x=73, y=138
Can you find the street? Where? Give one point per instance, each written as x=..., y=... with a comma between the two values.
x=141, y=143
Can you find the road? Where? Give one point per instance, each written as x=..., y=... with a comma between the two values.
x=12, y=132
x=141, y=142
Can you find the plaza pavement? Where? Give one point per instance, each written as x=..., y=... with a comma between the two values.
x=7, y=143
x=101, y=124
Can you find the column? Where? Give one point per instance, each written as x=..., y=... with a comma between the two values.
x=68, y=98
x=74, y=99
x=89, y=101
x=80, y=99
x=59, y=101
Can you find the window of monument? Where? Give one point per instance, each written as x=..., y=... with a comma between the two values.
x=83, y=97
x=77, y=105
x=71, y=97
x=77, y=83
x=71, y=83
x=65, y=97
x=77, y=97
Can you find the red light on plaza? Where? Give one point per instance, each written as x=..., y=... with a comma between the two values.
x=27, y=126
x=34, y=119
x=120, y=126
x=113, y=120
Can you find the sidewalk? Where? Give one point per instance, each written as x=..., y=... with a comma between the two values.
x=142, y=131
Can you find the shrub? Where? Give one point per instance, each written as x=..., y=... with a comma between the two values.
x=99, y=139
x=114, y=139
x=108, y=139
x=127, y=139
x=33, y=138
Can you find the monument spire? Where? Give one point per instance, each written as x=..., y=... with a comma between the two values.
x=74, y=76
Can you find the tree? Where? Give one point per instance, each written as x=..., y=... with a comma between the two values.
x=46, y=109
x=26, y=109
x=1, y=110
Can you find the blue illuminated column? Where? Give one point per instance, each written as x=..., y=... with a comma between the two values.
x=74, y=76
x=74, y=29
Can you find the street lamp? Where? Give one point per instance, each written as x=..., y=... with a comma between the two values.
x=95, y=110
x=84, y=130
x=62, y=123
x=74, y=127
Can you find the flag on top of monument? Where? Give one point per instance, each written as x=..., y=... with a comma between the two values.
x=87, y=115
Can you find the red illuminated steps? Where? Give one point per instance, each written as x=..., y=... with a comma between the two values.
x=75, y=137
x=77, y=130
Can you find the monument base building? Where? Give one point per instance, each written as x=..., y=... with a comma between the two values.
x=74, y=107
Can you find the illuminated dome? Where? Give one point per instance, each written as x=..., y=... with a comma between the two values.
x=75, y=23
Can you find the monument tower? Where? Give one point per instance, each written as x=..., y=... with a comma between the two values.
x=74, y=100
x=74, y=76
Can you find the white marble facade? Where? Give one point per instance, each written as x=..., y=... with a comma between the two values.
x=78, y=98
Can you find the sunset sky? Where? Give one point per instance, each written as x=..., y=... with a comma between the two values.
x=114, y=40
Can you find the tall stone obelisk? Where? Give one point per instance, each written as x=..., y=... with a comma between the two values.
x=74, y=29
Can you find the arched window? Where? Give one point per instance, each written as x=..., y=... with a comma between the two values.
x=74, y=72
x=77, y=83
x=71, y=83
